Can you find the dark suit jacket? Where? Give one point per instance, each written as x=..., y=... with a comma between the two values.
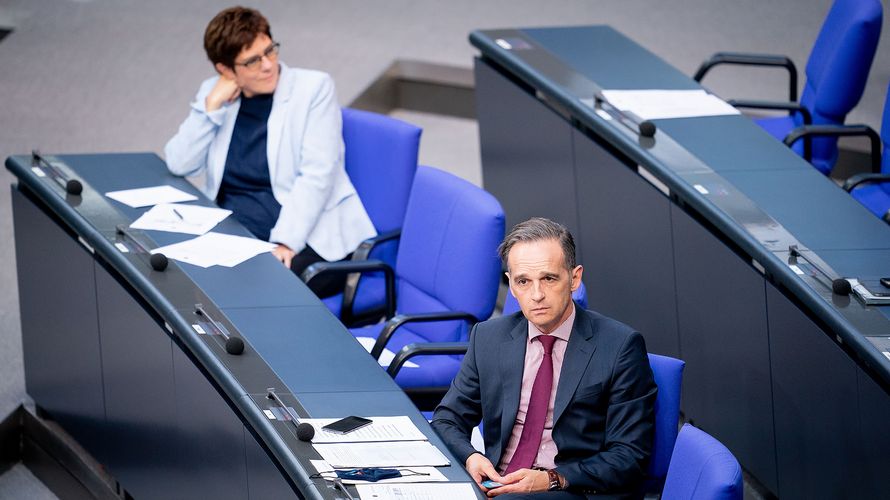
x=603, y=415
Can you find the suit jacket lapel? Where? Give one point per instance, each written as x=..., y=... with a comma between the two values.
x=276, y=118
x=578, y=353
x=512, y=364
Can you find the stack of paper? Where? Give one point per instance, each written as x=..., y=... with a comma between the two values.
x=215, y=249
x=381, y=429
x=144, y=197
x=383, y=454
x=386, y=356
x=444, y=491
x=656, y=104
x=177, y=218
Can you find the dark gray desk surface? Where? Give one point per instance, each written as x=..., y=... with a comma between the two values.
x=296, y=337
x=761, y=195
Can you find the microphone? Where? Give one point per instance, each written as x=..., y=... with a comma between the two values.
x=839, y=286
x=71, y=186
x=305, y=431
x=233, y=345
x=645, y=128
x=158, y=260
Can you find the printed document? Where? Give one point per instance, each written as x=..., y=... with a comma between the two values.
x=386, y=356
x=388, y=454
x=656, y=104
x=381, y=429
x=432, y=491
x=177, y=218
x=409, y=474
x=215, y=249
x=144, y=197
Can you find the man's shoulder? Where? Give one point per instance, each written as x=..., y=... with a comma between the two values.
x=604, y=324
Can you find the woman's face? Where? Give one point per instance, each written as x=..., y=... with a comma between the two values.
x=256, y=67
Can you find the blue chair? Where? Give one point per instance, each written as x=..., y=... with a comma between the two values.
x=702, y=469
x=446, y=275
x=380, y=159
x=836, y=72
x=511, y=305
x=668, y=374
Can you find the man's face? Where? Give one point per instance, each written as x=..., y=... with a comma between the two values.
x=261, y=79
x=541, y=283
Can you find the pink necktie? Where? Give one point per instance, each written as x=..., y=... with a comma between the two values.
x=533, y=428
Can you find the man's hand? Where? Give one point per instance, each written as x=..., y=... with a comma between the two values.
x=522, y=481
x=225, y=90
x=480, y=469
x=284, y=254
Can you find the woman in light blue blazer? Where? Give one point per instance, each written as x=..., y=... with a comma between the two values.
x=268, y=140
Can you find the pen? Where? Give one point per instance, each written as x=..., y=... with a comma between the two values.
x=178, y=214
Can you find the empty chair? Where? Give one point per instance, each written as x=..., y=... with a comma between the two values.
x=668, y=375
x=380, y=159
x=702, y=469
x=836, y=73
x=447, y=268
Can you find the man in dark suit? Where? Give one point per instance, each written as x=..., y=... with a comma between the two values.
x=566, y=396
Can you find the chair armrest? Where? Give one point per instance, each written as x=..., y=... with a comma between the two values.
x=737, y=58
x=395, y=323
x=775, y=105
x=866, y=178
x=429, y=348
x=358, y=267
x=351, y=287
x=840, y=131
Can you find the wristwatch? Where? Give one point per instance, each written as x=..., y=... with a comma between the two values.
x=553, y=477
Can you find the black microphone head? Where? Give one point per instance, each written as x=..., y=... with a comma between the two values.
x=647, y=128
x=158, y=261
x=305, y=432
x=841, y=286
x=73, y=186
x=235, y=346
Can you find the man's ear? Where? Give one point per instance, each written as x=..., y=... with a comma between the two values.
x=576, y=277
x=510, y=285
x=225, y=71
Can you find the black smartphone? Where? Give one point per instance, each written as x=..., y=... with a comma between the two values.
x=347, y=424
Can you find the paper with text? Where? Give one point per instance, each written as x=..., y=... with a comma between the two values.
x=659, y=104
x=177, y=218
x=399, y=428
x=431, y=491
x=388, y=454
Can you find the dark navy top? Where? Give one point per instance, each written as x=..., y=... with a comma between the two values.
x=246, y=188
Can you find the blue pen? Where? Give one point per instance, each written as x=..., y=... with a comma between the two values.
x=178, y=214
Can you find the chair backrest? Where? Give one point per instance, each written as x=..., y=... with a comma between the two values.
x=838, y=67
x=448, y=252
x=381, y=159
x=702, y=469
x=668, y=374
x=511, y=305
x=885, y=135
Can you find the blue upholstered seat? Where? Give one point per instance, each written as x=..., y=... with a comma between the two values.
x=447, y=262
x=380, y=159
x=668, y=374
x=836, y=74
x=702, y=469
x=875, y=194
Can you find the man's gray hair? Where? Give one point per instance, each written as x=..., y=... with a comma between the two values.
x=538, y=229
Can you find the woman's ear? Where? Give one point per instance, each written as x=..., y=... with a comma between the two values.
x=225, y=71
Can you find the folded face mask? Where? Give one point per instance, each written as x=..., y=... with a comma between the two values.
x=372, y=474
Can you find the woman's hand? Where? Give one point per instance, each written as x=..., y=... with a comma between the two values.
x=225, y=91
x=284, y=254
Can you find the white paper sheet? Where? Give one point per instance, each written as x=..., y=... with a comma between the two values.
x=426, y=491
x=143, y=197
x=657, y=104
x=386, y=356
x=389, y=454
x=214, y=249
x=399, y=428
x=412, y=474
x=177, y=218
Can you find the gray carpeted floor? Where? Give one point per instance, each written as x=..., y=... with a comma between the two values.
x=117, y=75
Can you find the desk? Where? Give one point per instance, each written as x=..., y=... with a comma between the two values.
x=110, y=351
x=685, y=236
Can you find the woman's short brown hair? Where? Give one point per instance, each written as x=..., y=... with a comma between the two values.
x=231, y=31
